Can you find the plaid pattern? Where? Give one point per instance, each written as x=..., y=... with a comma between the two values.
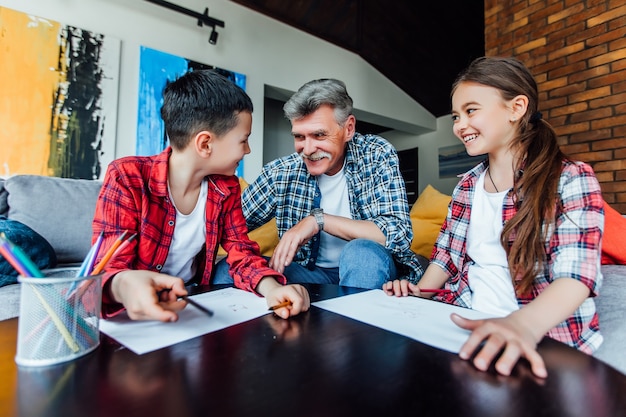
x=572, y=251
x=134, y=197
x=286, y=190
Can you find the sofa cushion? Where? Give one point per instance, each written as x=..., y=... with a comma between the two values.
x=610, y=305
x=30, y=242
x=266, y=235
x=614, y=237
x=60, y=209
x=427, y=215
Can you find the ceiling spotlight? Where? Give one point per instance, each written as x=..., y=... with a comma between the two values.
x=203, y=18
x=213, y=37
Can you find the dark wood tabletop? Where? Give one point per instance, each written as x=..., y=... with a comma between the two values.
x=315, y=364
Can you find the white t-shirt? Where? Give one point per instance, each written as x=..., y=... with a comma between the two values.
x=336, y=201
x=189, y=237
x=489, y=276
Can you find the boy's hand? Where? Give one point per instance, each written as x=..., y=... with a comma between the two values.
x=294, y=295
x=148, y=295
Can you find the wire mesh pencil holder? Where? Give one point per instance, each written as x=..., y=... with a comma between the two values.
x=59, y=317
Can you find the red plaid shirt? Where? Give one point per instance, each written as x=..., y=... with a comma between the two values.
x=573, y=249
x=134, y=197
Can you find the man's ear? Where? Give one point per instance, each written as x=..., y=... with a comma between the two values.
x=350, y=127
x=203, y=142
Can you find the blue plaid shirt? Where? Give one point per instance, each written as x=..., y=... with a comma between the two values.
x=287, y=191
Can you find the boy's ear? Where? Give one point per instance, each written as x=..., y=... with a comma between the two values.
x=203, y=142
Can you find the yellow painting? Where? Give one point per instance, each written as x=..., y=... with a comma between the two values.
x=58, y=98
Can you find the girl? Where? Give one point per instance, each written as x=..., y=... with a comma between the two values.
x=521, y=239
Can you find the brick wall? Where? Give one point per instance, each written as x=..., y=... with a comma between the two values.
x=577, y=52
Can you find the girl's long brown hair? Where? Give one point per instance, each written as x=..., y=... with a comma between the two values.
x=538, y=168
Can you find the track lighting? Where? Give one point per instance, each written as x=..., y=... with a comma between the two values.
x=203, y=18
x=213, y=37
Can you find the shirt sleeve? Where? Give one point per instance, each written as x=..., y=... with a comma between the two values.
x=576, y=242
x=115, y=213
x=247, y=266
x=257, y=200
x=388, y=206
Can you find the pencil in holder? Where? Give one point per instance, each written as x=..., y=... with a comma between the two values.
x=59, y=317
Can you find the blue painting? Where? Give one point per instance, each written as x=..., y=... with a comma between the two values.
x=454, y=161
x=156, y=70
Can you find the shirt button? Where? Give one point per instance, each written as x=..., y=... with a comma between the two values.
x=171, y=223
x=159, y=267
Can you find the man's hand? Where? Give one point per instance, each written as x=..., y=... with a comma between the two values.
x=291, y=242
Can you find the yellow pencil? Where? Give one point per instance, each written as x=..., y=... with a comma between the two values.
x=67, y=336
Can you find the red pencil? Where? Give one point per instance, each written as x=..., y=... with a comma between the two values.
x=435, y=290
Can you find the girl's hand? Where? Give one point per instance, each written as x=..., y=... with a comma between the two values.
x=507, y=335
x=401, y=288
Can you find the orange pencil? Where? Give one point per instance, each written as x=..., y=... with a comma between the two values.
x=123, y=245
x=107, y=256
x=280, y=305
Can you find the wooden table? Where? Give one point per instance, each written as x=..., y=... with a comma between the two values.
x=315, y=364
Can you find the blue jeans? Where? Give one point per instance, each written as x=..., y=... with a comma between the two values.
x=363, y=264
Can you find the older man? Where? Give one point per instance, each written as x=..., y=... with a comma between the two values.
x=339, y=200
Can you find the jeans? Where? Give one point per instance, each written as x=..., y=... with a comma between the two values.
x=363, y=264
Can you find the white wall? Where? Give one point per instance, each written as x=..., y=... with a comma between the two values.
x=428, y=145
x=267, y=51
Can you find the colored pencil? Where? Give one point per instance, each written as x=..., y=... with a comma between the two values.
x=27, y=268
x=435, y=290
x=109, y=253
x=67, y=336
x=94, y=254
x=5, y=251
x=123, y=245
x=280, y=305
x=21, y=257
x=198, y=306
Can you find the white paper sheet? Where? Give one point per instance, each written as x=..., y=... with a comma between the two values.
x=424, y=320
x=230, y=306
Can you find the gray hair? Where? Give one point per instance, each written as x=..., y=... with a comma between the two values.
x=316, y=93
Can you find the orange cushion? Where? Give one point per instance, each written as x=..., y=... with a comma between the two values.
x=266, y=236
x=427, y=216
x=614, y=237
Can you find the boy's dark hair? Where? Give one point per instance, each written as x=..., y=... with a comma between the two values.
x=201, y=100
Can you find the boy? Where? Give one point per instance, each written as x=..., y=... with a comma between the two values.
x=183, y=203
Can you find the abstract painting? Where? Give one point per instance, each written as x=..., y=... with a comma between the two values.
x=454, y=161
x=58, y=97
x=156, y=70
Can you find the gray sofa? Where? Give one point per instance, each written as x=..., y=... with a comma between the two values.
x=58, y=209
x=61, y=211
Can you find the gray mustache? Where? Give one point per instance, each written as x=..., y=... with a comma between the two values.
x=316, y=156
